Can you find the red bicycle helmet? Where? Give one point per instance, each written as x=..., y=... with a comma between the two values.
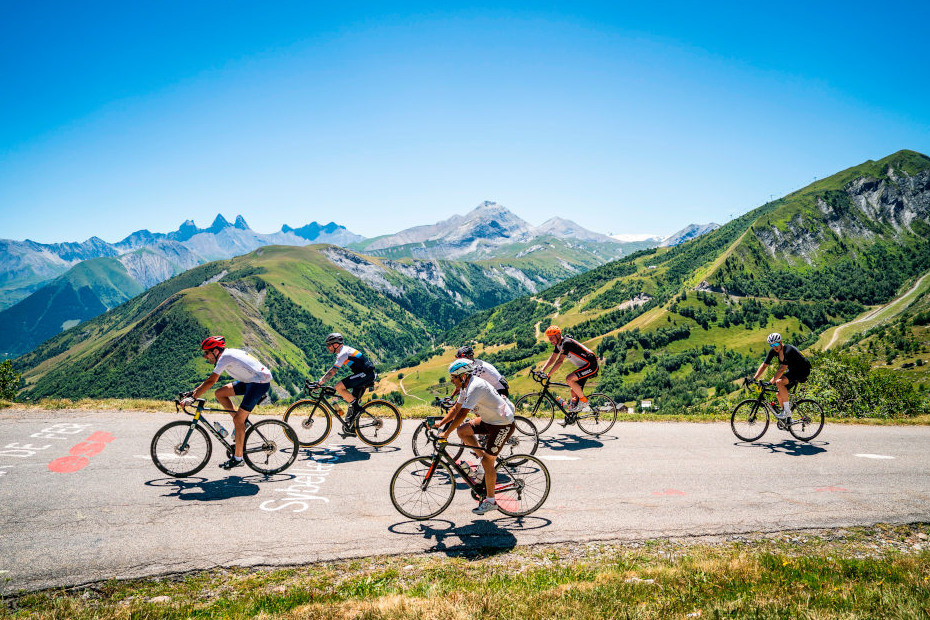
x=213, y=342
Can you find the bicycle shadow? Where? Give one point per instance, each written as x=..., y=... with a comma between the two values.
x=789, y=447
x=570, y=443
x=479, y=539
x=344, y=453
x=204, y=490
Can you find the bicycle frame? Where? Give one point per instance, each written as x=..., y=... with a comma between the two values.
x=570, y=418
x=321, y=400
x=201, y=420
x=478, y=487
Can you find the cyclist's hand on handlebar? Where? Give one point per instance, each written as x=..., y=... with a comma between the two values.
x=187, y=401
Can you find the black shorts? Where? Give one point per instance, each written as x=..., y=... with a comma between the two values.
x=251, y=393
x=586, y=372
x=796, y=377
x=495, y=435
x=359, y=381
x=505, y=389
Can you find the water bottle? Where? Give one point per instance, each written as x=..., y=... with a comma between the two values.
x=219, y=429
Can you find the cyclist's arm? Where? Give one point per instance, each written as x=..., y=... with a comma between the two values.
x=778, y=373
x=456, y=415
x=556, y=358
x=557, y=365
x=206, y=385
x=329, y=375
x=759, y=372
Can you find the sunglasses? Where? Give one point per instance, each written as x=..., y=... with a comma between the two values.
x=774, y=344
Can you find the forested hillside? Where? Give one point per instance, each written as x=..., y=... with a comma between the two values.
x=679, y=325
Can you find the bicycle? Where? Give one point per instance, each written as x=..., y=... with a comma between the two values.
x=750, y=418
x=183, y=448
x=598, y=416
x=424, y=486
x=524, y=440
x=377, y=422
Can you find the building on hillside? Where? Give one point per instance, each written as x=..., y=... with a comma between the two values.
x=645, y=404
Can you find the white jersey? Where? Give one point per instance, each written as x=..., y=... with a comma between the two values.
x=490, y=374
x=242, y=367
x=481, y=398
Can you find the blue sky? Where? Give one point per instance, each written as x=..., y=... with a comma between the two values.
x=626, y=119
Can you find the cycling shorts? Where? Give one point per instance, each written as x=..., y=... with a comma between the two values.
x=359, y=381
x=496, y=435
x=505, y=388
x=586, y=372
x=796, y=377
x=251, y=393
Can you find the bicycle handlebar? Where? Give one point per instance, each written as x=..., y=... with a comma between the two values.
x=540, y=377
x=312, y=386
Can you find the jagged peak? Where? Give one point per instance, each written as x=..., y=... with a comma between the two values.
x=219, y=224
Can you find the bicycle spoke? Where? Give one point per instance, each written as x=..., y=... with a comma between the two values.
x=422, y=488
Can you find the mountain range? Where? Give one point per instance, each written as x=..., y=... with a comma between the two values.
x=496, y=237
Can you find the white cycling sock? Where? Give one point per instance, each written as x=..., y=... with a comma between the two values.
x=786, y=407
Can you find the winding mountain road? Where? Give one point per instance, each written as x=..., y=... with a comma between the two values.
x=111, y=514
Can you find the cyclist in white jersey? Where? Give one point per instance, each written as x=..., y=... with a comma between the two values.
x=252, y=382
x=495, y=420
x=483, y=370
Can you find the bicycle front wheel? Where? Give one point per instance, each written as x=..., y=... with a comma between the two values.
x=422, y=488
x=806, y=420
x=539, y=409
x=422, y=446
x=270, y=447
x=750, y=420
x=598, y=416
x=522, y=485
x=523, y=440
x=310, y=421
x=180, y=451
x=378, y=424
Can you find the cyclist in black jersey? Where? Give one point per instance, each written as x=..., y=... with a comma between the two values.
x=363, y=372
x=793, y=368
x=579, y=355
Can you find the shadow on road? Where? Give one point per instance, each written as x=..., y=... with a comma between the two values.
x=571, y=443
x=479, y=539
x=791, y=447
x=343, y=453
x=203, y=490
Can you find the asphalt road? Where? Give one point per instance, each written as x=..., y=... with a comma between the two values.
x=117, y=516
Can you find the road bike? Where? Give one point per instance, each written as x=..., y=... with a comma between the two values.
x=524, y=440
x=596, y=418
x=424, y=486
x=750, y=418
x=377, y=422
x=182, y=448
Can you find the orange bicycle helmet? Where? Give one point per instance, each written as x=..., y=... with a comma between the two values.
x=553, y=330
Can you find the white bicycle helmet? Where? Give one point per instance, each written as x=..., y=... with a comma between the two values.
x=774, y=338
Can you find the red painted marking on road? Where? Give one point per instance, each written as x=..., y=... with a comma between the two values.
x=79, y=456
x=669, y=492
x=832, y=490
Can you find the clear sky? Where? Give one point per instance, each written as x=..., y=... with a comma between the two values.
x=639, y=118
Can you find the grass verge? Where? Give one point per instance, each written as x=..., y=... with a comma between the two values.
x=880, y=571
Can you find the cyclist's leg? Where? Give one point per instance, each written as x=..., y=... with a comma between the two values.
x=344, y=393
x=782, y=385
x=251, y=393
x=495, y=438
x=225, y=393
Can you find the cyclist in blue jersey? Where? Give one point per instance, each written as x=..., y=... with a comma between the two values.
x=363, y=374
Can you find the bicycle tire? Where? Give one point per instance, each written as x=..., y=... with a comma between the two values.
x=270, y=447
x=806, y=419
x=422, y=445
x=171, y=459
x=421, y=490
x=523, y=484
x=599, y=415
x=539, y=409
x=309, y=419
x=746, y=420
x=524, y=440
x=378, y=424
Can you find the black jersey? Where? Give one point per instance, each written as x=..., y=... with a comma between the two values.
x=577, y=353
x=791, y=358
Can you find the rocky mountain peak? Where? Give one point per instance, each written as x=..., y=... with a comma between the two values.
x=218, y=224
x=240, y=223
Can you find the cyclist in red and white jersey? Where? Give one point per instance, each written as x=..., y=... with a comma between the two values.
x=579, y=355
x=252, y=382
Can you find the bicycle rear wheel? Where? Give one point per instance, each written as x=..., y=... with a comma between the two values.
x=310, y=420
x=598, y=416
x=524, y=440
x=422, y=446
x=422, y=488
x=750, y=420
x=177, y=457
x=522, y=485
x=378, y=424
x=270, y=447
x=539, y=409
x=806, y=419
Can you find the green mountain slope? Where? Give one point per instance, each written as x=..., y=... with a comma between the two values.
x=678, y=325
x=85, y=291
x=278, y=302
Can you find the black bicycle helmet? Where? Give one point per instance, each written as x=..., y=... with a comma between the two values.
x=465, y=351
